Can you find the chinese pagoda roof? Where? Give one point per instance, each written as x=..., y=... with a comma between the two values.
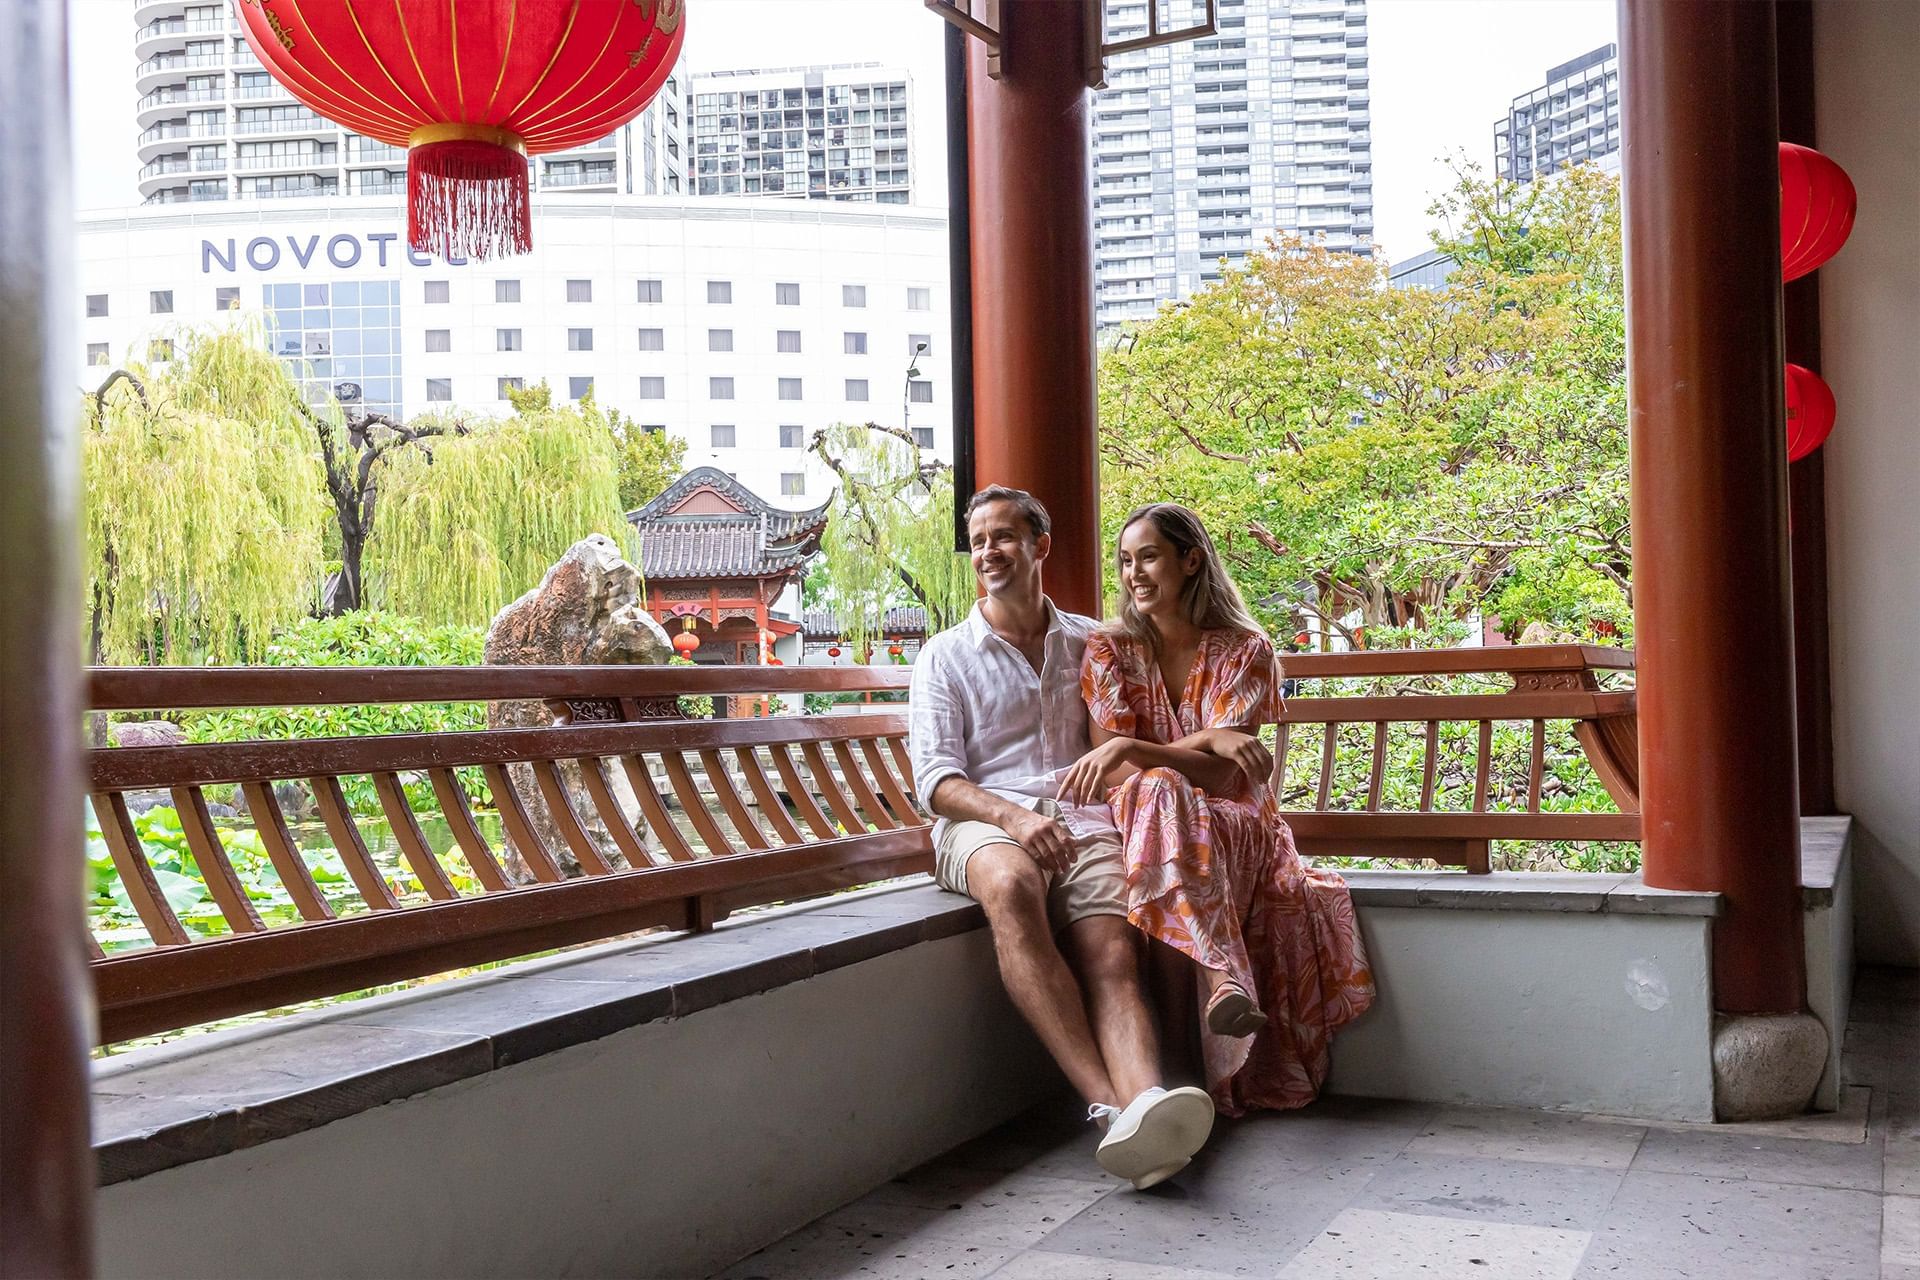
x=707, y=524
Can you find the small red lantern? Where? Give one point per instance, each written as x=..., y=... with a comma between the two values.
x=471, y=88
x=775, y=662
x=1817, y=204
x=1810, y=412
x=1301, y=638
x=686, y=642
x=1359, y=637
x=833, y=651
x=894, y=650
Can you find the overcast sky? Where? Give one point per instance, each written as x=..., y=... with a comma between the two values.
x=1442, y=71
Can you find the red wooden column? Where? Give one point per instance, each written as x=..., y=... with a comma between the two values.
x=1713, y=614
x=46, y=1165
x=1030, y=164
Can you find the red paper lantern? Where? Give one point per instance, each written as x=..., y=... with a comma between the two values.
x=1301, y=639
x=834, y=652
x=894, y=650
x=775, y=662
x=685, y=643
x=1810, y=412
x=1817, y=204
x=471, y=88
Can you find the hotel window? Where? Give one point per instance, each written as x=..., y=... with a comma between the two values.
x=923, y=437
x=793, y=484
x=649, y=290
x=854, y=344
x=506, y=291
x=788, y=339
x=720, y=291
x=506, y=340
x=579, y=388
x=160, y=302
x=919, y=299
x=920, y=392
x=96, y=304
x=653, y=388
x=579, y=291
x=653, y=339
x=436, y=290
x=503, y=385
x=789, y=388
x=786, y=295
x=719, y=388
x=853, y=295
x=579, y=340
x=439, y=389
x=439, y=340
x=97, y=354
x=856, y=389
x=721, y=437
x=791, y=436
x=226, y=298
x=719, y=339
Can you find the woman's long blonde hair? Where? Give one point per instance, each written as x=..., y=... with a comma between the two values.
x=1210, y=599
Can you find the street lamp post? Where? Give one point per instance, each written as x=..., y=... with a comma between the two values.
x=906, y=392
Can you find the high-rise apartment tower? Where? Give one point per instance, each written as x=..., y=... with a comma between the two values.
x=215, y=125
x=1574, y=116
x=840, y=132
x=1205, y=148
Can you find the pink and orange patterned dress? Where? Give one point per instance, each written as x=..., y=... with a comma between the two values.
x=1217, y=876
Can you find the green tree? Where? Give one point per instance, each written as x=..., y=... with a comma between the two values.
x=889, y=536
x=203, y=505
x=466, y=528
x=648, y=461
x=1403, y=456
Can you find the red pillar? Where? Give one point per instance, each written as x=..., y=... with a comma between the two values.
x=1713, y=616
x=46, y=1164
x=1030, y=199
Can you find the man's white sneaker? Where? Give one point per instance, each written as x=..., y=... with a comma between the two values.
x=1158, y=1131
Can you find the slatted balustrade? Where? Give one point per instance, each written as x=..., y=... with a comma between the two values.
x=1550, y=684
x=724, y=813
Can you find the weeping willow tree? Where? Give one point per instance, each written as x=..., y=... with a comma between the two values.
x=203, y=505
x=889, y=539
x=466, y=528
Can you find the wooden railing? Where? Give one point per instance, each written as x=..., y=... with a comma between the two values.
x=622, y=815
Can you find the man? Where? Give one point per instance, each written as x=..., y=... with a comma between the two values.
x=996, y=717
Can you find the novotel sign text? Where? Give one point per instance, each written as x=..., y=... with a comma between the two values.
x=265, y=253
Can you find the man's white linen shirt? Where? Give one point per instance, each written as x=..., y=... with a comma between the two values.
x=979, y=711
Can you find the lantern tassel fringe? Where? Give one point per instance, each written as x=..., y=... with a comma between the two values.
x=468, y=199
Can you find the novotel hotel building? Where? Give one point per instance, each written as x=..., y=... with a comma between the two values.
x=741, y=325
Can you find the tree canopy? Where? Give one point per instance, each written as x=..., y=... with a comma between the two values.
x=1400, y=456
x=204, y=505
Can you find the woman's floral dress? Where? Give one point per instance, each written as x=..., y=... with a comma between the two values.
x=1218, y=878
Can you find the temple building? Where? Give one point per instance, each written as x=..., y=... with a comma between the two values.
x=719, y=560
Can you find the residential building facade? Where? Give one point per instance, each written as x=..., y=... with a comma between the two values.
x=742, y=327
x=215, y=125
x=839, y=132
x=1573, y=117
x=1204, y=148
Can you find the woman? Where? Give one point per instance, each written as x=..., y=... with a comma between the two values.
x=1211, y=867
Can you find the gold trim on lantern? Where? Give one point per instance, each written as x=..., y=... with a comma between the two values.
x=452, y=132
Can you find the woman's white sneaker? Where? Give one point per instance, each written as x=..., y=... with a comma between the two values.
x=1159, y=1130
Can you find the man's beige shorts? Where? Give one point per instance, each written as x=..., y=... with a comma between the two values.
x=1095, y=885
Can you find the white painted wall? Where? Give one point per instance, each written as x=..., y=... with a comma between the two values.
x=671, y=1149
x=1563, y=1011
x=1868, y=119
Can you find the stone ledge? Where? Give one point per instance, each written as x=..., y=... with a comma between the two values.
x=208, y=1095
x=1572, y=892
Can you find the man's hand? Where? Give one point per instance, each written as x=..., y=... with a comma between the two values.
x=1084, y=782
x=1246, y=751
x=1046, y=840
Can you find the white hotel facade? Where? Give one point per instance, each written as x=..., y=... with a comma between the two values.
x=742, y=326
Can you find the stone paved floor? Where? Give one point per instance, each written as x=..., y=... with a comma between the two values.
x=1357, y=1188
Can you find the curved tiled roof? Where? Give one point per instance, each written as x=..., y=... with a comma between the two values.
x=901, y=620
x=753, y=540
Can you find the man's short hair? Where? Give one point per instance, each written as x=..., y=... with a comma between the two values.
x=1029, y=506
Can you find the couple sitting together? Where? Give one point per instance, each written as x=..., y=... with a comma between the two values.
x=1095, y=783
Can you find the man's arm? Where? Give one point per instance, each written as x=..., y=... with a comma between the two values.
x=1046, y=840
